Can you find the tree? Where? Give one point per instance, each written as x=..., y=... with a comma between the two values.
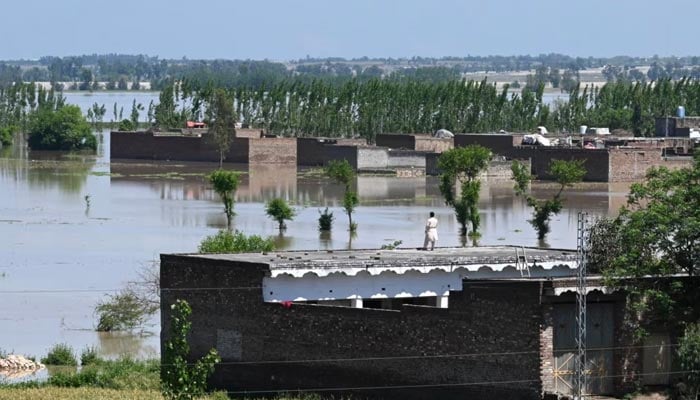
x=223, y=122
x=124, y=311
x=181, y=379
x=565, y=173
x=656, y=237
x=63, y=128
x=460, y=168
x=225, y=185
x=280, y=211
x=226, y=241
x=342, y=172
x=135, y=108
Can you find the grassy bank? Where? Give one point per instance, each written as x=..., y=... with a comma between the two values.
x=58, y=393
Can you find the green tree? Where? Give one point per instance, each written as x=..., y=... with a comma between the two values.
x=656, y=237
x=226, y=241
x=63, y=128
x=181, y=379
x=126, y=125
x=124, y=311
x=342, y=172
x=135, y=108
x=280, y=211
x=689, y=357
x=565, y=173
x=460, y=185
x=223, y=122
x=225, y=185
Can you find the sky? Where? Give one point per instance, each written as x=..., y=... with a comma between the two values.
x=293, y=29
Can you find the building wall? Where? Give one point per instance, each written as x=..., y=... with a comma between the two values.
x=359, y=347
x=596, y=160
x=272, y=151
x=342, y=152
x=314, y=151
x=369, y=158
x=498, y=143
x=146, y=145
x=406, y=159
x=433, y=145
x=629, y=165
x=396, y=141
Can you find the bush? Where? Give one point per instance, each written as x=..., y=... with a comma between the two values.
x=7, y=134
x=226, y=241
x=325, y=220
x=689, y=357
x=124, y=311
x=62, y=129
x=279, y=210
x=60, y=354
x=89, y=356
x=126, y=125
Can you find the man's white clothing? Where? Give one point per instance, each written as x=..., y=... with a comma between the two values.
x=431, y=235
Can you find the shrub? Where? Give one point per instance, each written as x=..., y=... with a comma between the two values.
x=181, y=379
x=60, y=354
x=226, y=241
x=126, y=125
x=7, y=134
x=124, y=311
x=689, y=357
x=325, y=220
x=122, y=374
x=89, y=356
x=279, y=210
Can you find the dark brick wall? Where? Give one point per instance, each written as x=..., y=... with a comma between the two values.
x=498, y=143
x=503, y=318
x=597, y=161
x=396, y=141
x=145, y=145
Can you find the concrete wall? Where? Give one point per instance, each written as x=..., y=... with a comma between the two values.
x=673, y=126
x=342, y=152
x=433, y=145
x=498, y=170
x=480, y=321
x=414, y=142
x=369, y=158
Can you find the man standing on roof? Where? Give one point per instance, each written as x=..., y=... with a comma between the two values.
x=431, y=235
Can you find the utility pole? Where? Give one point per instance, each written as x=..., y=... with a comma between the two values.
x=582, y=232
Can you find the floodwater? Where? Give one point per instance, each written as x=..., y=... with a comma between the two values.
x=59, y=256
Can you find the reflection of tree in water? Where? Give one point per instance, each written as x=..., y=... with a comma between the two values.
x=325, y=240
x=68, y=175
x=115, y=344
x=283, y=242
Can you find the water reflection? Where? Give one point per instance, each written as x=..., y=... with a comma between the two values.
x=113, y=345
x=141, y=209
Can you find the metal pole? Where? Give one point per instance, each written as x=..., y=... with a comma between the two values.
x=581, y=284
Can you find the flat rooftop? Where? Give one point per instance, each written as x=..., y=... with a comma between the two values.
x=297, y=263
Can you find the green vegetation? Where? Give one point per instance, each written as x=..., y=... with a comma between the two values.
x=226, y=241
x=460, y=167
x=179, y=379
x=7, y=135
x=63, y=128
x=124, y=311
x=325, y=220
x=689, y=360
x=392, y=246
x=222, y=122
x=342, y=172
x=565, y=173
x=89, y=356
x=280, y=211
x=60, y=354
x=225, y=185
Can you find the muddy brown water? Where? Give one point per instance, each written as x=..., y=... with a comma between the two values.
x=59, y=257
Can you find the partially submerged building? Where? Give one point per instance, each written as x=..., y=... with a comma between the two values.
x=484, y=322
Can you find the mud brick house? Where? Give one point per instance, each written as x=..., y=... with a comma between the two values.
x=484, y=322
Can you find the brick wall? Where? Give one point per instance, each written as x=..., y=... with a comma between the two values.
x=596, y=160
x=272, y=151
x=433, y=145
x=314, y=152
x=628, y=165
x=145, y=145
x=503, y=318
x=396, y=141
x=497, y=143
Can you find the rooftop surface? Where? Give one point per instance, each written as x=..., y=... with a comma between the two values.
x=407, y=258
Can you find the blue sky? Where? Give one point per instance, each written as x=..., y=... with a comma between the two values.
x=291, y=29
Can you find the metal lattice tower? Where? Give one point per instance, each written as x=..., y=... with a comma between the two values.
x=582, y=232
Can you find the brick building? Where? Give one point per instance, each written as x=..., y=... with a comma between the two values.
x=487, y=322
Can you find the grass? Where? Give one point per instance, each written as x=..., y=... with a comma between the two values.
x=77, y=393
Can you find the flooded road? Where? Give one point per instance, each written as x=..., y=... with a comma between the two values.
x=59, y=256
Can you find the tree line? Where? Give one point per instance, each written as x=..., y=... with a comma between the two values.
x=367, y=108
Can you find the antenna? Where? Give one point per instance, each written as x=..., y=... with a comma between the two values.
x=582, y=233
